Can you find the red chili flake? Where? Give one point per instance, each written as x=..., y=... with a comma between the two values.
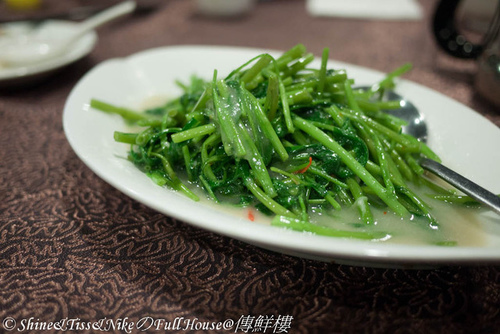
x=251, y=217
x=385, y=212
x=303, y=170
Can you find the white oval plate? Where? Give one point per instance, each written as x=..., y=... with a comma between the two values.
x=10, y=76
x=464, y=139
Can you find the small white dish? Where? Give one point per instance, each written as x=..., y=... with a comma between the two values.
x=398, y=10
x=464, y=139
x=16, y=76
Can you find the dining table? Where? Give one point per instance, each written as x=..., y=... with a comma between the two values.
x=78, y=255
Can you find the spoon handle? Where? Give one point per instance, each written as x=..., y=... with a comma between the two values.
x=458, y=181
x=106, y=15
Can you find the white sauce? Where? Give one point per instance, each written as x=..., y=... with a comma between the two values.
x=457, y=225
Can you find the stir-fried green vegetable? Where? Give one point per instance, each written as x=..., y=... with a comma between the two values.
x=286, y=138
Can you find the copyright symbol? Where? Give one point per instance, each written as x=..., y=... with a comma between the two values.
x=9, y=323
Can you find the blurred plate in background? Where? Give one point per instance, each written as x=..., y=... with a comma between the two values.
x=17, y=76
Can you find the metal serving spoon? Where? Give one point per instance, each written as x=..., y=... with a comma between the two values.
x=418, y=129
x=36, y=47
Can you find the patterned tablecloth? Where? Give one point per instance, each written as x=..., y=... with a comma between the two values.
x=74, y=251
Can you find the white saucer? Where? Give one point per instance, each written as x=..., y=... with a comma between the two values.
x=16, y=76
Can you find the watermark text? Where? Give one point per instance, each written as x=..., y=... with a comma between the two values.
x=244, y=324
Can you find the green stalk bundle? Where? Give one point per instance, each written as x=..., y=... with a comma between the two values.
x=286, y=138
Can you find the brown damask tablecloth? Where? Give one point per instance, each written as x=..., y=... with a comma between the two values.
x=74, y=251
